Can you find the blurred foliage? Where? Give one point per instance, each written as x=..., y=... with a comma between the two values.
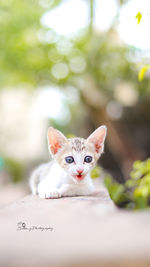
x=34, y=55
x=96, y=172
x=2, y=163
x=144, y=69
x=70, y=135
x=14, y=168
x=23, y=58
x=142, y=72
x=135, y=193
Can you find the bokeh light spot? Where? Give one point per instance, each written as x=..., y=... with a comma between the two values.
x=60, y=70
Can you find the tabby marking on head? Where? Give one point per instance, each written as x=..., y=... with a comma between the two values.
x=73, y=160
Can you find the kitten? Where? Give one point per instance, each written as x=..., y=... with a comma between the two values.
x=68, y=174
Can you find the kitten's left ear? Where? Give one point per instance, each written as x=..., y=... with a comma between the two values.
x=97, y=138
x=56, y=140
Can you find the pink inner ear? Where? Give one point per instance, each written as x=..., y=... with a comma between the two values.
x=97, y=147
x=97, y=138
x=54, y=142
x=55, y=147
x=55, y=139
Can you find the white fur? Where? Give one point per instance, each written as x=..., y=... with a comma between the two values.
x=60, y=179
x=57, y=183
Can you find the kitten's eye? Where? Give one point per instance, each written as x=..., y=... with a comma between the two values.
x=69, y=159
x=88, y=159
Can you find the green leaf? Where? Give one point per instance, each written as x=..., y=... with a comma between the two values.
x=142, y=72
x=138, y=17
x=135, y=192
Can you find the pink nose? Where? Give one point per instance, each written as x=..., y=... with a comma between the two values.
x=80, y=171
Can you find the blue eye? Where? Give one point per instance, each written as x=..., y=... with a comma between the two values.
x=88, y=159
x=69, y=159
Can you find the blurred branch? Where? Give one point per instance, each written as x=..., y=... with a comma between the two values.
x=92, y=4
x=120, y=143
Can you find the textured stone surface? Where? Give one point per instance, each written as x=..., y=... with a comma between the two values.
x=11, y=192
x=87, y=231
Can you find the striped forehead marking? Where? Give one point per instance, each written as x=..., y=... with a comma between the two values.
x=77, y=144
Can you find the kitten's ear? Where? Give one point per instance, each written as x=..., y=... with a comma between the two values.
x=55, y=140
x=97, y=138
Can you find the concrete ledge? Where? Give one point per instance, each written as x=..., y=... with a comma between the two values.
x=87, y=231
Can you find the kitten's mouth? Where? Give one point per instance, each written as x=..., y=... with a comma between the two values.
x=79, y=177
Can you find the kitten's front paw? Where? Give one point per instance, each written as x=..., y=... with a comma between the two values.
x=50, y=194
x=67, y=190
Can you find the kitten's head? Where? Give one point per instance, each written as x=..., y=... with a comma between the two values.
x=77, y=156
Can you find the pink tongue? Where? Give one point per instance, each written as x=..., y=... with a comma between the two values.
x=79, y=176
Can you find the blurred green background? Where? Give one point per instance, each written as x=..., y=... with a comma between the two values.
x=59, y=67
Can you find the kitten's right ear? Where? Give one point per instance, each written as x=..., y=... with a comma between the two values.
x=97, y=138
x=55, y=140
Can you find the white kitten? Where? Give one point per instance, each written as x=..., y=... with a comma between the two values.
x=68, y=174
